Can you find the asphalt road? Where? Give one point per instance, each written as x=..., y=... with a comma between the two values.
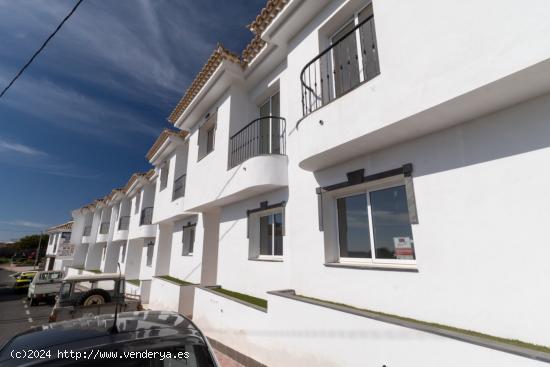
x=16, y=315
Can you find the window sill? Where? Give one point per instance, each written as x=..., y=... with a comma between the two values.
x=371, y=266
x=275, y=259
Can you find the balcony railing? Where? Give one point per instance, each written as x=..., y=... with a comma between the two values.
x=124, y=223
x=347, y=63
x=104, y=228
x=265, y=135
x=179, y=187
x=146, y=216
x=87, y=231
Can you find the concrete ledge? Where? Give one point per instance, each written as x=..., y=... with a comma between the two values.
x=410, y=268
x=210, y=289
x=235, y=355
x=421, y=326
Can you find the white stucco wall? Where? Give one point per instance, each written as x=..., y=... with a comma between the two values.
x=481, y=217
x=234, y=265
x=187, y=267
x=294, y=333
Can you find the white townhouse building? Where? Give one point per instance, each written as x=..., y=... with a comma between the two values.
x=363, y=185
x=59, y=250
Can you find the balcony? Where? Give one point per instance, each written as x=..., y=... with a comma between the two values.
x=256, y=162
x=349, y=62
x=179, y=187
x=146, y=216
x=124, y=223
x=263, y=136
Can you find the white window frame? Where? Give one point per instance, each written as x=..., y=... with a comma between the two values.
x=186, y=246
x=269, y=100
x=163, y=177
x=366, y=189
x=147, y=245
x=355, y=20
x=255, y=233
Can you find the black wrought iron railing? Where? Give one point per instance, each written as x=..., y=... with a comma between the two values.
x=87, y=231
x=264, y=135
x=104, y=228
x=124, y=223
x=179, y=187
x=347, y=63
x=146, y=216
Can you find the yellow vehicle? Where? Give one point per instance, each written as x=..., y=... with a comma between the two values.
x=23, y=280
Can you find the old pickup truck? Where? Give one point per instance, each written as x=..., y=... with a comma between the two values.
x=89, y=295
x=45, y=286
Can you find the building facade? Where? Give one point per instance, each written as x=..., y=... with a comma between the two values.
x=59, y=250
x=359, y=156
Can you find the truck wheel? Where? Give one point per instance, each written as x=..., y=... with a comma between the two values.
x=34, y=301
x=94, y=297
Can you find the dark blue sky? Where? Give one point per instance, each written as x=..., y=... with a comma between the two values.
x=79, y=121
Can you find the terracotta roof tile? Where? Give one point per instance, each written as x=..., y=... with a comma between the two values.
x=61, y=227
x=165, y=134
x=262, y=21
x=267, y=14
x=219, y=54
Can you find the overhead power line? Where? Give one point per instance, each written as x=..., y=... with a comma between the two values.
x=41, y=48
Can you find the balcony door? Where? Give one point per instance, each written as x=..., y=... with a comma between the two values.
x=270, y=128
x=354, y=52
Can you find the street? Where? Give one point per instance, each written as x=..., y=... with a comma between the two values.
x=16, y=315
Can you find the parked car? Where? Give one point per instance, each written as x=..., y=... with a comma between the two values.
x=45, y=286
x=172, y=336
x=23, y=280
x=95, y=294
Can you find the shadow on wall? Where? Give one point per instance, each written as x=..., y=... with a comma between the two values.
x=512, y=131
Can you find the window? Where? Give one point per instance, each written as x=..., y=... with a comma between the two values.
x=375, y=225
x=270, y=128
x=66, y=236
x=271, y=234
x=188, y=240
x=207, y=137
x=210, y=140
x=164, y=176
x=123, y=253
x=150, y=248
x=138, y=197
x=353, y=55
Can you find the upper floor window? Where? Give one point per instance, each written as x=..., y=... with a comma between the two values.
x=207, y=136
x=164, y=176
x=270, y=128
x=350, y=59
x=137, y=202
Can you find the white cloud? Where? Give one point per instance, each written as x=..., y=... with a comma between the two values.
x=20, y=148
x=24, y=223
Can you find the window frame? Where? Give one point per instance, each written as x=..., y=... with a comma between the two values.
x=255, y=241
x=187, y=249
x=163, y=177
x=150, y=244
x=354, y=20
x=366, y=189
x=211, y=131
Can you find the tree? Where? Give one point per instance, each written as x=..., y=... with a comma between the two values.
x=29, y=244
